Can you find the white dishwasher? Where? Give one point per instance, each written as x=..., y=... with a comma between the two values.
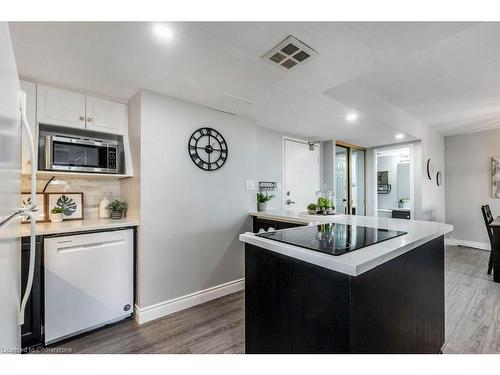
x=89, y=282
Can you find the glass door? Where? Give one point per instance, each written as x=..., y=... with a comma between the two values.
x=341, y=179
x=357, y=161
x=350, y=179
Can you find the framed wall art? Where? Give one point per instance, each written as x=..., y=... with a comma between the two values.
x=41, y=214
x=71, y=204
x=495, y=176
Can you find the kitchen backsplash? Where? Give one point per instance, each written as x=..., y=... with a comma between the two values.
x=93, y=190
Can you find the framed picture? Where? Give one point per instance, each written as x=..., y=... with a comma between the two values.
x=495, y=176
x=71, y=203
x=41, y=214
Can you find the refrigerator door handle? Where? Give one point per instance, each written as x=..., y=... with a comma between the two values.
x=31, y=270
x=32, y=209
x=8, y=219
x=20, y=212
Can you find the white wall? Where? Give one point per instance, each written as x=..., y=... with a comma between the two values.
x=190, y=219
x=269, y=163
x=433, y=196
x=130, y=187
x=468, y=183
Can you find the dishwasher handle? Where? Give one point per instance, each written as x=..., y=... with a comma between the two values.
x=82, y=247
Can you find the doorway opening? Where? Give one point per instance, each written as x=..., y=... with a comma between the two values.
x=301, y=173
x=395, y=195
x=350, y=179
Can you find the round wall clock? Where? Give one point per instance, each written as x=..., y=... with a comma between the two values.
x=430, y=169
x=207, y=149
x=438, y=178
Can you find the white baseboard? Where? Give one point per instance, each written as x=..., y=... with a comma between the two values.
x=474, y=244
x=159, y=310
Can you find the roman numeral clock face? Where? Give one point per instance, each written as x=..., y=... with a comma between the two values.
x=207, y=149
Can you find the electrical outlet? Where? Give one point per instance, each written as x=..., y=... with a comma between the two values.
x=250, y=185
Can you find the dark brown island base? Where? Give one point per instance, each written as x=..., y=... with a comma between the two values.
x=381, y=296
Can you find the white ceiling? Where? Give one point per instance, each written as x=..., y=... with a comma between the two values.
x=445, y=75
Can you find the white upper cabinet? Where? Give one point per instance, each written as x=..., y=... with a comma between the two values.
x=30, y=89
x=60, y=107
x=73, y=110
x=106, y=116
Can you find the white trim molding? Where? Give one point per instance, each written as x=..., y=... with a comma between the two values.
x=159, y=310
x=475, y=244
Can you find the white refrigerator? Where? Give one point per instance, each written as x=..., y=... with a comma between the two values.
x=12, y=123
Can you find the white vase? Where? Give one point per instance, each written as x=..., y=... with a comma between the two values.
x=103, y=211
x=56, y=218
x=261, y=206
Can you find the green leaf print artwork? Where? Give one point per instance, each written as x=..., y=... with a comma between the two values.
x=26, y=203
x=67, y=204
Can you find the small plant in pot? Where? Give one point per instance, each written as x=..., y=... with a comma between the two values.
x=118, y=208
x=324, y=205
x=57, y=215
x=312, y=208
x=402, y=203
x=262, y=199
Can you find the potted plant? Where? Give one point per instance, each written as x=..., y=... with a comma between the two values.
x=324, y=205
x=117, y=208
x=311, y=208
x=402, y=203
x=57, y=215
x=262, y=199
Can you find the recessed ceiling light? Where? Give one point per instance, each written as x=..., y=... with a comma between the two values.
x=399, y=136
x=351, y=117
x=163, y=31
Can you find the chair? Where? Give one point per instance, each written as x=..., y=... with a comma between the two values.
x=488, y=219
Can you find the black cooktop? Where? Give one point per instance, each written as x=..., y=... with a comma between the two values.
x=333, y=239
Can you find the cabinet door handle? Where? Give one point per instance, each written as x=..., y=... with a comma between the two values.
x=89, y=119
x=82, y=118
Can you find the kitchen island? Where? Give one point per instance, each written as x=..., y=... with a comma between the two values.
x=346, y=284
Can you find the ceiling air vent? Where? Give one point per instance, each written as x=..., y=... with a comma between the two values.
x=290, y=53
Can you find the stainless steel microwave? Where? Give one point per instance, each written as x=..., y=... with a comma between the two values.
x=75, y=154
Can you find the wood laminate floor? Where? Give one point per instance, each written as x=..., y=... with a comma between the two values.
x=472, y=319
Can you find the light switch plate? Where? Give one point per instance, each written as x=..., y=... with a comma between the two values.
x=250, y=185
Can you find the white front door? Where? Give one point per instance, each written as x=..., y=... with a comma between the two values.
x=301, y=174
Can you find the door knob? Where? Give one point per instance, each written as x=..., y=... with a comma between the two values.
x=289, y=202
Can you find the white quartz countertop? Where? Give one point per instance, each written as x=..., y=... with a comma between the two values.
x=394, y=209
x=69, y=226
x=358, y=261
x=292, y=216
